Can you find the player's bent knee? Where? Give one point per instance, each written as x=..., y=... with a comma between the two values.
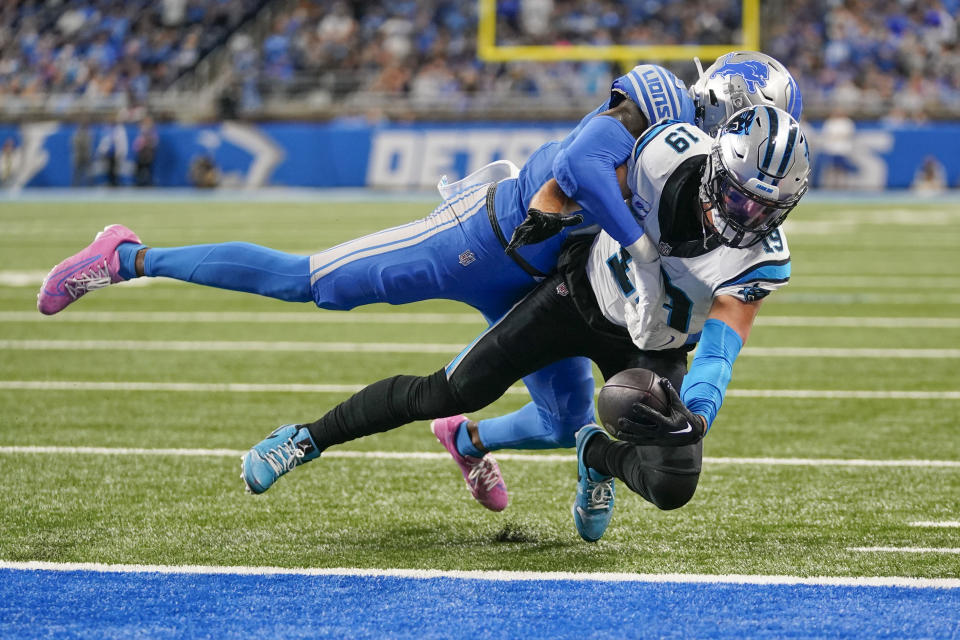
x=670, y=491
x=472, y=402
x=361, y=283
x=408, y=282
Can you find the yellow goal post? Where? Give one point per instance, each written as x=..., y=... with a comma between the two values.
x=488, y=50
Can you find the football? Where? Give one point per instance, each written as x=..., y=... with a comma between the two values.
x=622, y=391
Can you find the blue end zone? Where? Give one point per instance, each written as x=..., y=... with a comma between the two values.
x=44, y=604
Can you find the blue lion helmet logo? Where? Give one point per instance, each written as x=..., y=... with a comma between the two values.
x=753, y=72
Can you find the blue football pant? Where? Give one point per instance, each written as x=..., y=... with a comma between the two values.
x=454, y=254
x=451, y=254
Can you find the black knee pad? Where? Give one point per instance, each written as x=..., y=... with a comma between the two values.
x=667, y=490
x=666, y=476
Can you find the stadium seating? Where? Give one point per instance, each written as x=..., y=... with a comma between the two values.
x=102, y=53
x=896, y=59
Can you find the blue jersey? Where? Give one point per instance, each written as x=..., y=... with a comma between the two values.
x=585, y=166
x=513, y=199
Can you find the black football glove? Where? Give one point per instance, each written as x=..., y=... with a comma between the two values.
x=540, y=225
x=679, y=427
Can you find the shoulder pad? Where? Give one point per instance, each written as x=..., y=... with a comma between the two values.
x=664, y=147
x=755, y=272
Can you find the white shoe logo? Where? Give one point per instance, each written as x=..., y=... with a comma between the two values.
x=682, y=431
x=668, y=342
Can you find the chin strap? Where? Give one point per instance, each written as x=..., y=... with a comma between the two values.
x=706, y=202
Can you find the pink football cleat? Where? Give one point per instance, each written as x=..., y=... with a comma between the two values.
x=93, y=268
x=482, y=475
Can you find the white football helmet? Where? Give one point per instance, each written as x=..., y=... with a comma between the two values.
x=756, y=172
x=738, y=80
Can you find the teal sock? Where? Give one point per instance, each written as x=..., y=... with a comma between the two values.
x=127, y=253
x=465, y=444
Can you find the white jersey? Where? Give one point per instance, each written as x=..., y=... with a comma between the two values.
x=663, y=171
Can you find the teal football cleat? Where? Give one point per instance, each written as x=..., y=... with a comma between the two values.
x=278, y=453
x=593, y=506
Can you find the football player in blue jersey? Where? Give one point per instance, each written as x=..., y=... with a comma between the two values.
x=713, y=208
x=458, y=252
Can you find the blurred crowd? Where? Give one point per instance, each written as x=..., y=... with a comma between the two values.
x=899, y=58
x=427, y=50
x=629, y=22
x=855, y=54
x=92, y=51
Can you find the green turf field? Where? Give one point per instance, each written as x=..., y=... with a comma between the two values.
x=853, y=263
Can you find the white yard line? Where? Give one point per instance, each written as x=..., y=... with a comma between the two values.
x=495, y=576
x=192, y=387
x=434, y=456
x=34, y=278
x=854, y=322
x=834, y=298
x=229, y=345
x=820, y=352
x=945, y=524
x=238, y=387
x=398, y=317
x=10, y=278
x=810, y=281
x=947, y=550
x=249, y=317
x=419, y=347
x=834, y=462
x=840, y=394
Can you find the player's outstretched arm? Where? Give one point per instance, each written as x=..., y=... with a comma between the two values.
x=691, y=412
x=724, y=334
x=586, y=169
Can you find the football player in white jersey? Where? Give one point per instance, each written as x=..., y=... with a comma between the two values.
x=717, y=268
x=712, y=210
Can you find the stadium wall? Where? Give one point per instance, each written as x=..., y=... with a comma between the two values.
x=413, y=156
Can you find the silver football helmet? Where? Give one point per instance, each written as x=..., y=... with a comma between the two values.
x=738, y=80
x=756, y=172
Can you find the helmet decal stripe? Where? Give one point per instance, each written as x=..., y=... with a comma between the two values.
x=648, y=111
x=791, y=141
x=796, y=99
x=771, y=137
x=674, y=111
